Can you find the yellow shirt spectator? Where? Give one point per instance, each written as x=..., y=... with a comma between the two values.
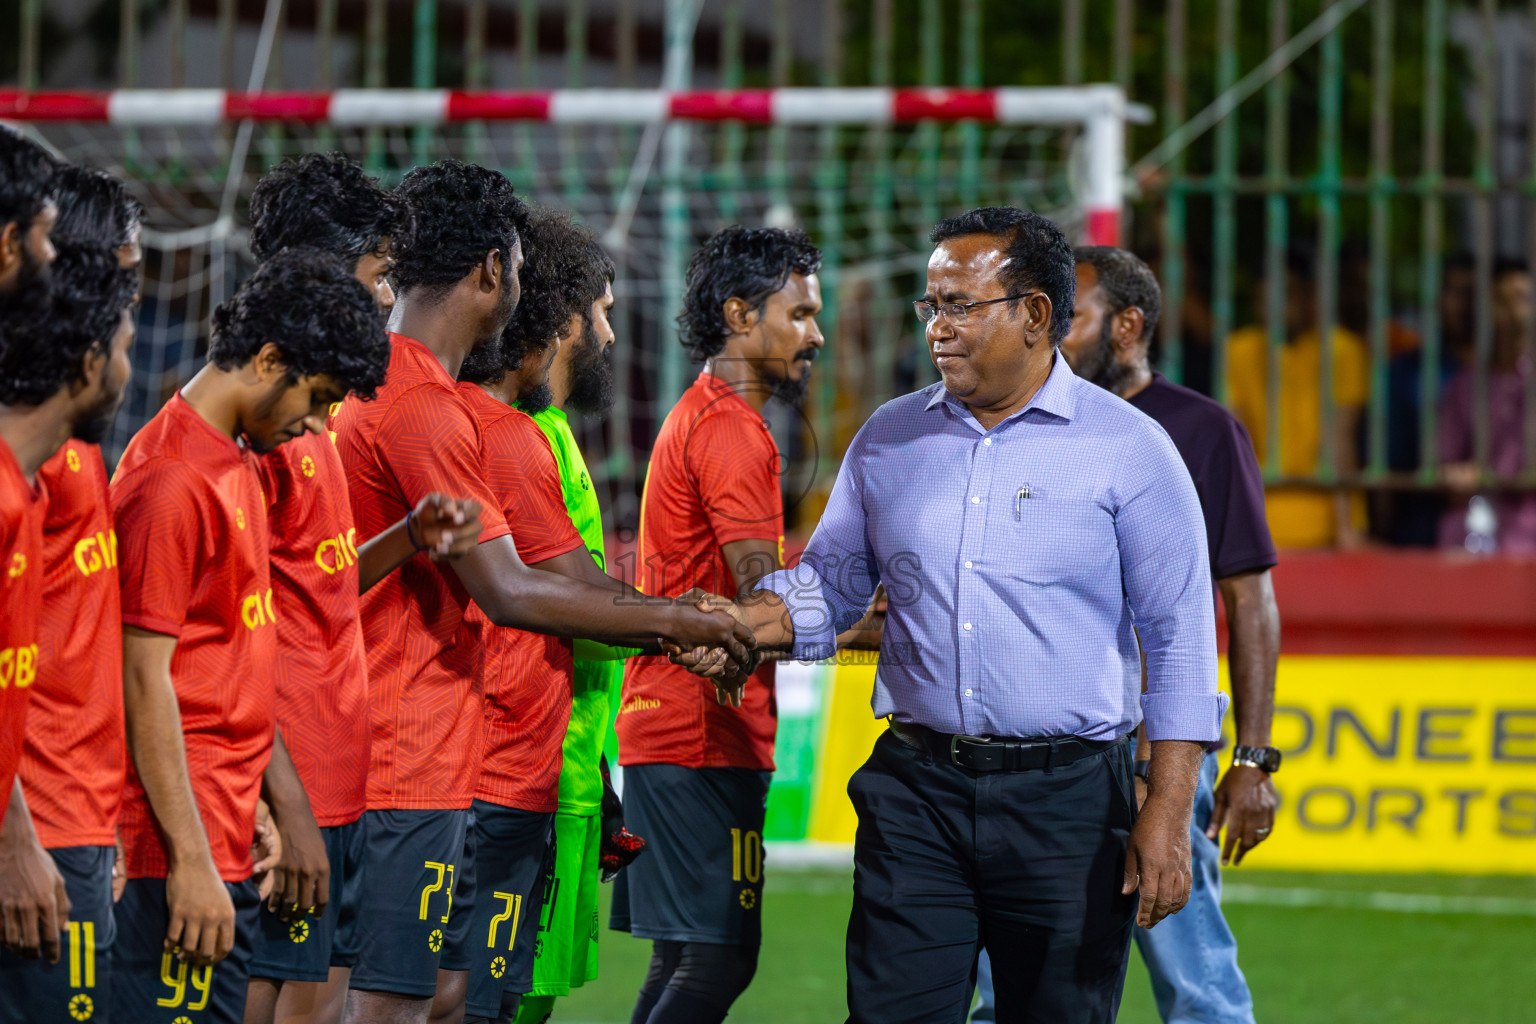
x=1300, y=517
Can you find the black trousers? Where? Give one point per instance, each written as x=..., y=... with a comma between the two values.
x=1027, y=864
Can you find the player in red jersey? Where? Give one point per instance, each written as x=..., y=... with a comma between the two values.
x=527, y=676
x=74, y=760
x=696, y=772
x=302, y=962
x=61, y=376
x=199, y=638
x=456, y=273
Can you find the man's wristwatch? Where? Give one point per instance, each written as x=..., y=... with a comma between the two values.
x=1143, y=769
x=1266, y=759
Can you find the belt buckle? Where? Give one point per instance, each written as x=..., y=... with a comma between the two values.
x=954, y=747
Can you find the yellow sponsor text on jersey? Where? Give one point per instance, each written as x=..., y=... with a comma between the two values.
x=338, y=552
x=18, y=565
x=257, y=610
x=18, y=666
x=96, y=552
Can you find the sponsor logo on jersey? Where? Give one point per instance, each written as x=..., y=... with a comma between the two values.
x=96, y=552
x=18, y=665
x=336, y=553
x=256, y=610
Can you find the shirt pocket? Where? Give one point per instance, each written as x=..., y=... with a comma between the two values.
x=1057, y=541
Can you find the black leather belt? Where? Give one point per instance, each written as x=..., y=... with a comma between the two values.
x=981, y=754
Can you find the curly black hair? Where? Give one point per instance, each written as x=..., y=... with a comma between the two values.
x=738, y=263
x=1126, y=281
x=323, y=201
x=85, y=303
x=459, y=212
x=308, y=304
x=94, y=208
x=26, y=177
x=565, y=270
x=1038, y=257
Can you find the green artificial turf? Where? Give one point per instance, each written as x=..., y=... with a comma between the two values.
x=1306, y=964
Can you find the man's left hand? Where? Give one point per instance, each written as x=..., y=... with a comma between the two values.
x=1245, y=806
x=301, y=878
x=1157, y=859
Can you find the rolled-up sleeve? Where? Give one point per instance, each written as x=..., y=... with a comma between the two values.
x=1163, y=557
x=831, y=586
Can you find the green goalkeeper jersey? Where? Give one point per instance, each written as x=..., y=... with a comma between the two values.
x=595, y=681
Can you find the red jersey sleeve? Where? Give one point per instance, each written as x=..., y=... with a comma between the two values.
x=735, y=466
x=523, y=473
x=158, y=511
x=430, y=445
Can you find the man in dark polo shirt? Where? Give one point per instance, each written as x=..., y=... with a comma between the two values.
x=1192, y=956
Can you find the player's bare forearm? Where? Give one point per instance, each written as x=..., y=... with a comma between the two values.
x=200, y=927
x=512, y=594
x=444, y=527
x=1245, y=797
x=156, y=743
x=1253, y=651
x=1157, y=858
x=33, y=905
x=302, y=875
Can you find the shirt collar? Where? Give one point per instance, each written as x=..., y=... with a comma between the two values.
x=1057, y=396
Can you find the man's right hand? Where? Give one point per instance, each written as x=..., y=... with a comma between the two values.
x=698, y=625
x=32, y=899
x=202, y=916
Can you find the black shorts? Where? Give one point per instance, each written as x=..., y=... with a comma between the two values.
x=700, y=878
x=497, y=902
x=149, y=984
x=79, y=986
x=408, y=883
x=306, y=950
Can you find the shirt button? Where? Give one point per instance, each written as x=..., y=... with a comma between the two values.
x=975, y=500
x=967, y=565
x=967, y=693
x=967, y=625
x=988, y=443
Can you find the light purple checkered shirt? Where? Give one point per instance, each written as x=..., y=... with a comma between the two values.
x=1020, y=563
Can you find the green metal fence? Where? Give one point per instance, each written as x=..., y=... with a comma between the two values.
x=1368, y=132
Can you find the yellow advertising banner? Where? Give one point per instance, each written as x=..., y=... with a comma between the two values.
x=1391, y=764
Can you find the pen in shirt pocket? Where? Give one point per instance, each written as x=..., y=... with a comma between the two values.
x=1018, y=502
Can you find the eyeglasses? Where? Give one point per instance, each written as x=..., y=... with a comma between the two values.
x=928, y=312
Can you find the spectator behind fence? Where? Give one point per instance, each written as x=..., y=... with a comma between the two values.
x=1412, y=518
x=1486, y=520
x=1302, y=516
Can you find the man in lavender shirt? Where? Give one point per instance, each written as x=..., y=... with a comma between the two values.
x=1027, y=526
x=1192, y=959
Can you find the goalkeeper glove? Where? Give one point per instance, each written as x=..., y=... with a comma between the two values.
x=619, y=845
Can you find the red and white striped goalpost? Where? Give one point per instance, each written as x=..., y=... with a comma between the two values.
x=1099, y=110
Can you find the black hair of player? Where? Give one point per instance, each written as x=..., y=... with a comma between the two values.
x=320, y=317
x=1039, y=258
x=83, y=307
x=26, y=178
x=749, y=264
x=565, y=270
x=324, y=201
x=458, y=213
x=94, y=208
x=1125, y=281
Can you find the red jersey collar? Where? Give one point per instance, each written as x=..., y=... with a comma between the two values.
x=421, y=354
x=182, y=409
